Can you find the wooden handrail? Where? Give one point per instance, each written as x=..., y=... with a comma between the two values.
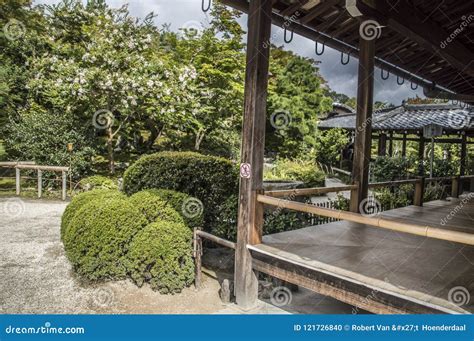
x=12, y=164
x=308, y=191
x=43, y=168
x=425, y=231
x=392, y=183
x=215, y=239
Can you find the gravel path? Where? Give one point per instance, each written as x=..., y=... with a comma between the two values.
x=36, y=277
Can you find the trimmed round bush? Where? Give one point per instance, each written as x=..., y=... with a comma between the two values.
x=82, y=199
x=98, y=237
x=154, y=207
x=161, y=255
x=97, y=182
x=208, y=178
x=180, y=202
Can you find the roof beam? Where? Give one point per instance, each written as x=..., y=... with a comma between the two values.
x=410, y=22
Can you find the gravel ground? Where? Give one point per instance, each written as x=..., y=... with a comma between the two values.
x=36, y=277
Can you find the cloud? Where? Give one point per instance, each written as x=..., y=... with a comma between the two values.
x=341, y=78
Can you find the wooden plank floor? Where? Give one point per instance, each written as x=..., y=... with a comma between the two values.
x=416, y=268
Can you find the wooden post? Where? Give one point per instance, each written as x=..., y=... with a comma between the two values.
x=382, y=147
x=17, y=181
x=390, y=146
x=354, y=203
x=197, y=250
x=462, y=168
x=455, y=187
x=404, y=145
x=363, y=132
x=40, y=183
x=64, y=188
x=421, y=154
x=419, y=191
x=250, y=218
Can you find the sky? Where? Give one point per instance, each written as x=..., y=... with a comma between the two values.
x=341, y=78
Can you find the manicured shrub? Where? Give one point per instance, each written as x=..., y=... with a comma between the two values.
x=82, y=199
x=208, y=178
x=96, y=182
x=98, y=237
x=161, y=255
x=183, y=204
x=298, y=170
x=154, y=207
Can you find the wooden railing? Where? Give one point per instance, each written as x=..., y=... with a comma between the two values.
x=273, y=198
x=426, y=231
x=28, y=165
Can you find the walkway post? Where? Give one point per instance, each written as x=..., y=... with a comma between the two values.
x=17, y=181
x=40, y=183
x=250, y=219
x=363, y=131
x=64, y=188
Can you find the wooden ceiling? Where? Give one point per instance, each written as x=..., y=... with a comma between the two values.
x=413, y=42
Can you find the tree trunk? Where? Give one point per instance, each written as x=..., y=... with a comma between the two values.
x=199, y=137
x=110, y=150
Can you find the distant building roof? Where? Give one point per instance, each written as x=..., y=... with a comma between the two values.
x=408, y=117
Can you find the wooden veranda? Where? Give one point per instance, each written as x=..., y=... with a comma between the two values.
x=412, y=40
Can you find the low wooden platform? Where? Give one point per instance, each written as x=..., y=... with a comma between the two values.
x=379, y=270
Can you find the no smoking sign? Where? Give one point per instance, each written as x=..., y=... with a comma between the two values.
x=245, y=170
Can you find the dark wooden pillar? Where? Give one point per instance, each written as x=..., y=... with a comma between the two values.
x=462, y=168
x=382, y=150
x=390, y=146
x=250, y=218
x=421, y=154
x=404, y=145
x=363, y=133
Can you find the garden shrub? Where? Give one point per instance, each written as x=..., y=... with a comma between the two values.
x=387, y=168
x=208, y=178
x=178, y=201
x=98, y=237
x=154, y=207
x=82, y=199
x=297, y=170
x=97, y=182
x=161, y=255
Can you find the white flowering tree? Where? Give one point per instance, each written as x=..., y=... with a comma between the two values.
x=107, y=71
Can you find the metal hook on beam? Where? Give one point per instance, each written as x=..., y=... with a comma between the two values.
x=382, y=76
x=398, y=80
x=348, y=58
x=413, y=87
x=204, y=8
x=285, y=36
x=319, y=53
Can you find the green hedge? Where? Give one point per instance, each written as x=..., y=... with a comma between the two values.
x=154, y=208
x=161, y=255
x=208, y=178
x=178, y=201
x=98, y=236
x=97, y=182
x=82, y=199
